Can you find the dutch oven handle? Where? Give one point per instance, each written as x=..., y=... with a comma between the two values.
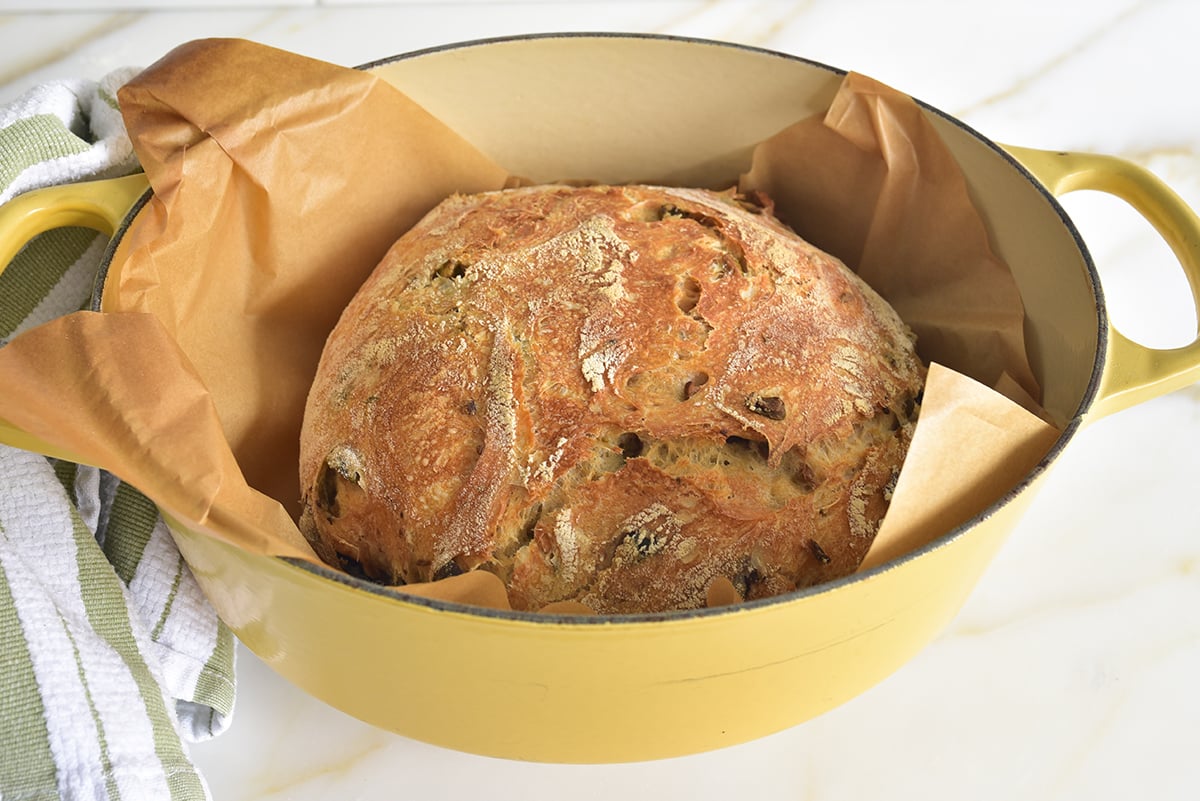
x=99, y=205
x=1132, y=373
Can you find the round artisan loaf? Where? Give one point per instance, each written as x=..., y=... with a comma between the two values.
x=613, y=395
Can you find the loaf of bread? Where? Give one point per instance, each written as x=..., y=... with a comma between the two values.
x=613, y=395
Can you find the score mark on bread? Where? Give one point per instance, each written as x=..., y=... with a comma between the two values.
x=608, y=395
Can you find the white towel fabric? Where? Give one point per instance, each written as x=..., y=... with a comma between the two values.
x=110, y=657
x=64, y=131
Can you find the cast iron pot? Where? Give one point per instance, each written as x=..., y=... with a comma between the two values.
x=581, y=689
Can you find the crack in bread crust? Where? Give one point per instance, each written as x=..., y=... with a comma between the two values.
x=528, y=371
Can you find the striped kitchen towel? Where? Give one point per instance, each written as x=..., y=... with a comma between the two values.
x=110, y=658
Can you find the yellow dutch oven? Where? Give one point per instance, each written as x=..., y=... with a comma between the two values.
x=582, y=689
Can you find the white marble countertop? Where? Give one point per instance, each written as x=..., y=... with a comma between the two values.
x=1072, y=671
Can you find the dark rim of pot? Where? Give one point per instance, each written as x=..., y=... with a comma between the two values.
x=1033, y=475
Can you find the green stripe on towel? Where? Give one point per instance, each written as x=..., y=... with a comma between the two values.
x=111, y=622
x=108, y=99
x=65, y=473
x=26, y=764
x=125, y=545
x=33, y=140
x=110, y=780
x=166, y=612
x=36, y=270
x=215, y=686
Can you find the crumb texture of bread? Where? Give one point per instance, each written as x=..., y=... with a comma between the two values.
x=613, y=395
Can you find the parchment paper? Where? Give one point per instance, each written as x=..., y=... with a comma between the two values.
x=280, y=181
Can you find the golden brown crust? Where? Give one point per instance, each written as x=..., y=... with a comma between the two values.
x=608, y=395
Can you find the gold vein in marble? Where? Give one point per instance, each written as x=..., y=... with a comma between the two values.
x=342, y=768
x=753, y=34
x=1171, y=152
x=1060, y=58
x=1040, y=608
x=111, y=23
